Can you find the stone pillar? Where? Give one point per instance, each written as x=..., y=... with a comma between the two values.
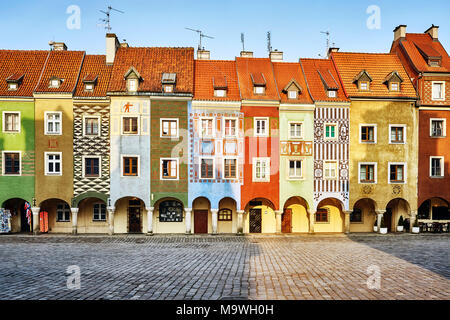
x=111, y=220
x=214, y=214
x=347, y=222
x=188, y=219
x=413, y=219
x=150, y=220
x=278, y=215
x=380, y=214
x=35, y=211
x=312, y=219
x=240, y=222
x=74, y=220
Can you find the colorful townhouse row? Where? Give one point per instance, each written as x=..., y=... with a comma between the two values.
x=151, y=140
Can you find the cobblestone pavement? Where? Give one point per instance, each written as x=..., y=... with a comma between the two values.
x=225, y=267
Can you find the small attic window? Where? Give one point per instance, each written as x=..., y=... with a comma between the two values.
x=90, y=81
x=364, y=85
x=292, y=94
x=259, y=83
x=168, y=81
x=14, y=81
x=221, y=93
x=13, y=86
x=132, y=85
x=220, y=86
x=393, y=81
x=394, y=86
x=55, y=83
x=132, y=77
x=259, y=90
x=332, y=93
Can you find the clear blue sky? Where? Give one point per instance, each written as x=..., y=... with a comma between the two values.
x=295, y=24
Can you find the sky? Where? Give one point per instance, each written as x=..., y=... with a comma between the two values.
x=295, y=26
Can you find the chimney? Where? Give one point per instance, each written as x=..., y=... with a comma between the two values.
x=124, y=45
x=433, y=31
x=58, y=46
x=276, y=56
x=246, y=54
x=400, y=32
x=331, y=50
x=203, y=55
x=112, y=44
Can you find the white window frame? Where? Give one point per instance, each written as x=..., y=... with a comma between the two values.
x=46, y=154
x=375, y=172
x=46, y=113
x=442, y=166
x=265, y=159
x=135, y=81
x=404, y=133
x=99, y=126
x=106, y=212
x=302, y=124
x=122, y=156
x=200, y=168
x=375, y=133
x=4, y=122
x=405, y=172
x=213, y=127
x=161, y=177
x=64, y=210
x=138, y=125
x=161, y=128
x=444, y=129
x=336, y=162
x=84, y=166
x=288, y=168
x=218, y=93
x=255, y=121
x=3, y=163
x=325, y=131
x=256, y=88
x=332, y=93
x=443, y=91
x=13, y=86
x=237, y=168
x=294, y=92
x=236, y=121
x=394, y=83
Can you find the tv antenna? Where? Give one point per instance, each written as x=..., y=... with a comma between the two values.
x=243, y=41
x=107, y=21
x=328, y=35
x=202, y=35
x=269, y=44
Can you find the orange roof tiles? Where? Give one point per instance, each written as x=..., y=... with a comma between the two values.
x=14, y=64
x=378, y=66
x=246, y=67
x=151, y=63
x=287, y=72
x=210, y=73
x=317, y=84
x=94, y=69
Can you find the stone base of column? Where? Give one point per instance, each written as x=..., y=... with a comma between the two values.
x=149, y=234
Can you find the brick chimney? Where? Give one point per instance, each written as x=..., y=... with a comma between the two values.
x=276, y=56
x=400, y=32
x=331, y=50
x=246, y=54
x=433, y=31
x=112, y=44
x=58, y=46
x=203, y=55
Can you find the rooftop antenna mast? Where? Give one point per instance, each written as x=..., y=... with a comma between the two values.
x=243, y=41
x=107, y=20
x=269, y=43
x=328, y=34
x=202, y=35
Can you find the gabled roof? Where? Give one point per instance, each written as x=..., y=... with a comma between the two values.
x=393, y=74
x=377, y=65
x=287, y=74
x=248, y=70
x=361, y=74
x=211, y=73
x=317, y=84
x=131, y=71
x=94, y=67
x=152, y=63
x=21, y=65
x=65, y=65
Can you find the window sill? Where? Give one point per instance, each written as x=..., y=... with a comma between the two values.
x=362, y=182
x=53, y=174
x=53, y=134
x=368, y=142
x=397, y=182
x=12, y=175
x=393, y=142
x=438, y=137
x=99, y=221
x=437, y=177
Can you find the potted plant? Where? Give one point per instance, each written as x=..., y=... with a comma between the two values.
x=375, y=226
x=400, y=226
x=415, y=228
x=383, y=229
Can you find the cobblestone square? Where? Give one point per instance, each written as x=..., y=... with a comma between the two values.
x=331, y=267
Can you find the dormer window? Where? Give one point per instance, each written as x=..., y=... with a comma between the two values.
x=13, y=86
x=168, y=88
x=133, y=78
x=393, y=81
x=329, y=82
x=332, y=93
x=395, y=86
x=14, y=81
x=292, y=94
x=364, y=86
x=55, y=82
x=220, y=86
x=90, y=81
x=220, y=93
x=363, y=80
x=89, y=87
x=168, y=81
x=259, y=83
x=132, y=85
x=431, y=56
x=259, y=90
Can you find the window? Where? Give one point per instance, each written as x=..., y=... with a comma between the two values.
x=394, y=86
x=99, y=212
x=364, y=86
x=169, y=128
x=89, y=87
x=168, y=88
x=132, y=85
x=206, y=127
x=170, y=211
x=62, y=212
x=368, y=134
x=356, y=216
x=397, y=134
x=55, y=83
x=367, y=173
x=130, y=166
x=261, y=169
x=322, y=215
x=130, y=125
x=436, y=167
x=53, y=122
x=396, y=173
x=169, y=169
x=12, y=163
x=12, y=86
x=260, y=128
x=330, y=169
x=225, y=215
x=206, y=168
x=332, y=93
x=259, y=90
x=330, y=131
x=11, y=122
x=438, y=127
x=438, y=91
x=230, y=127
x=230, y=169
x=91, y=167
x=295, y=169
x=296, y=130
x=220, y=93
x=292, y=94
x=53, y=163
x=91, y=126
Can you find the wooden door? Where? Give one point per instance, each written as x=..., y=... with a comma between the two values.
x=388, y=219
x=255, y=221
x=286, y=221
x=201, y=221
x=134, y=220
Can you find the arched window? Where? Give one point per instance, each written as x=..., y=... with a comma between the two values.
x=170, y=211
x=225, y=215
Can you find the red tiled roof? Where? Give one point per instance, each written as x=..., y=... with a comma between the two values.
x=15, y=63
x=378, y=66
x=64, y=65
x=287, y=72
x=246, y=67
x=94, y=66
x=313, y=69
x=151, y=63
x=214, y=72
